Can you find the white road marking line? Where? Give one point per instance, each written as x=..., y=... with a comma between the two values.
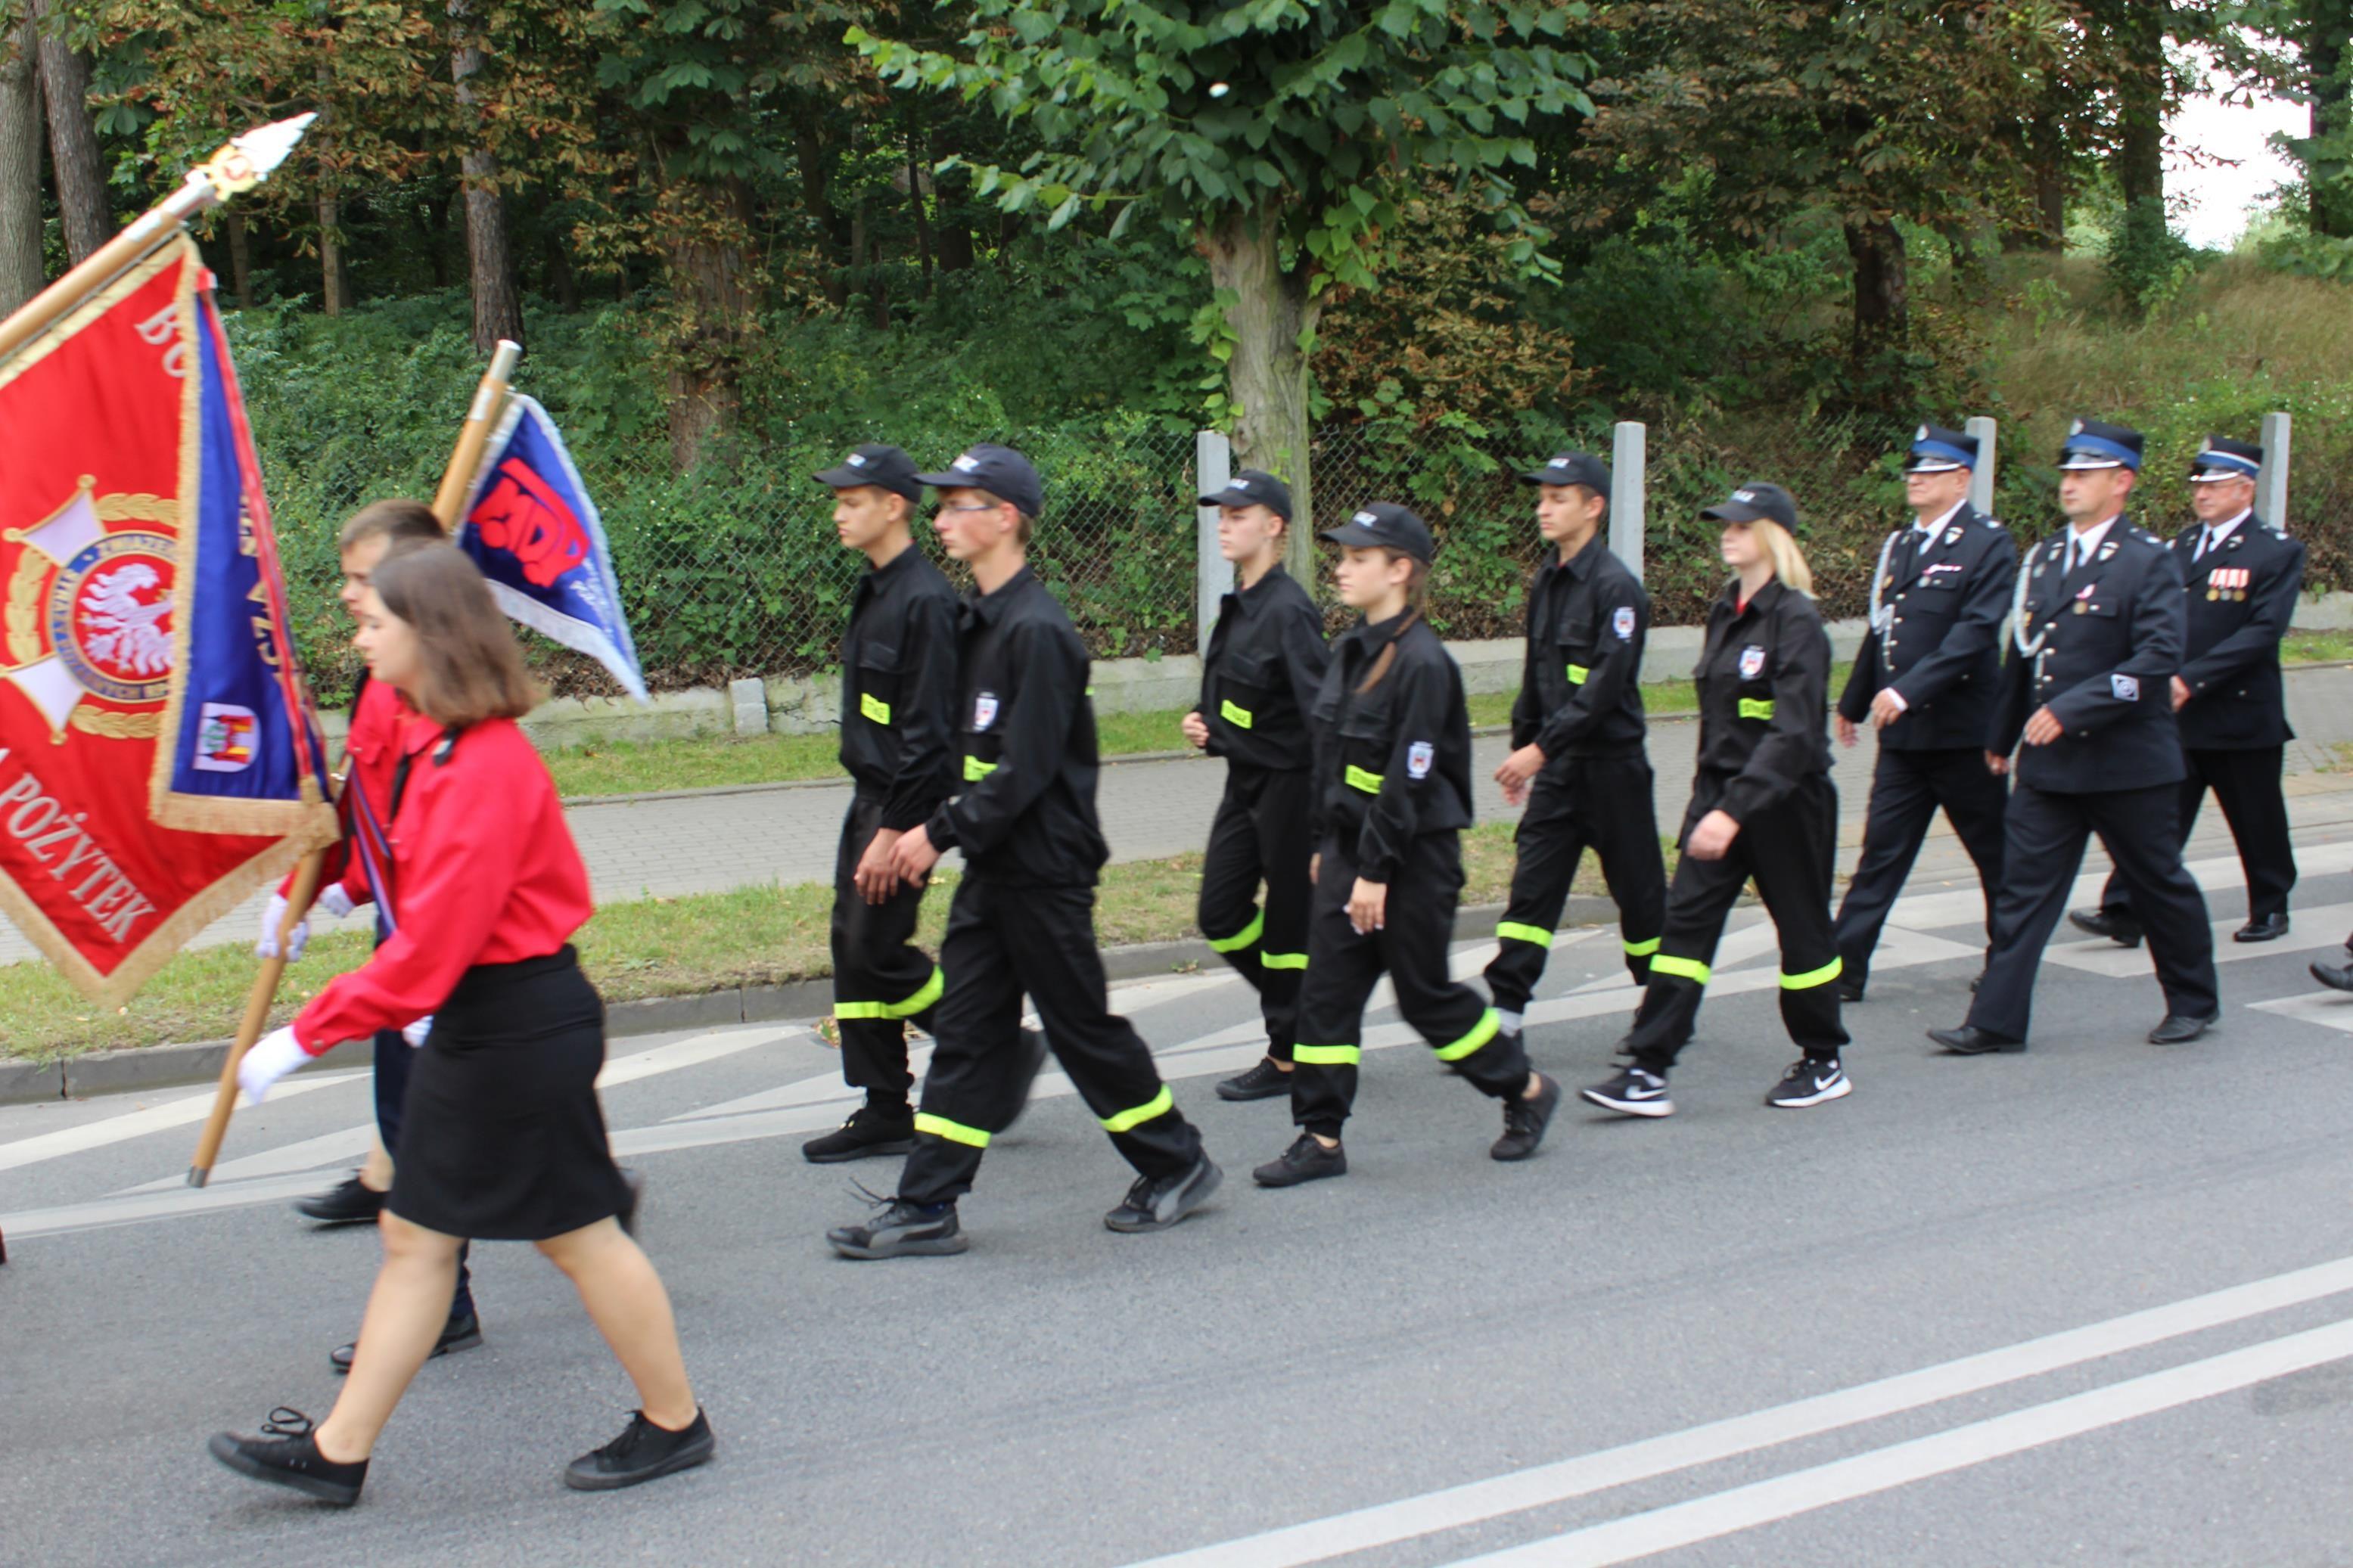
x=1900, y=1463
x=1387, y=1524
x=2315, y=928
x=689, y=1052
x=183, y=1112
x=2330, y=1009
x=2216, y=874
x=825, y=1089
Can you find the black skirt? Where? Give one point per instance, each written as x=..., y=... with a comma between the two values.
x=501, y=1137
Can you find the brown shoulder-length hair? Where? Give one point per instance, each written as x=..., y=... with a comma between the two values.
x=396, y=519
x=471, y=668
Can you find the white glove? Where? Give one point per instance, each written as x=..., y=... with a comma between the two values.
x=273, y=1056
x=273, y=913
x=335, y=901
x=415, y=1034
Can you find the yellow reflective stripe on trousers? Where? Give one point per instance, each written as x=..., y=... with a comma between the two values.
x=930, y=992
x=1691, y=969
x=1812, y=977
x=974, y=770
x=1757, y=708
x=953, y=1132
x=874, y=708
x=1641, y=949
x=1370, y=783
x=1512, y=930
x=1240, y=718
x=1160, y=1104
x=1481, y=1033
x=1328, y=1056
x=1241, y=938
x=1282, y=960
x=1577, y=674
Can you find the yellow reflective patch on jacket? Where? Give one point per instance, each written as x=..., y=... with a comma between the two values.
x=874, y=708
x=974, y=770
x=1370, y=783
x=1240, y=718
x=1579, y=674
x=1757, y=708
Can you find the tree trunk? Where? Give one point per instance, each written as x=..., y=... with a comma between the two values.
x=955, y=247
x=21, y=272
x=834, y=235
x=923, y=220
x=490, y=260
x=428, y=240
x=331, y=259
x=240, y=260
x=89, y=217
x=2047, y=155
x=1882, y=288
x=1266, y=377
x=710, y=281
x=560, y=280
x=2328, y=175
x=2140, y=100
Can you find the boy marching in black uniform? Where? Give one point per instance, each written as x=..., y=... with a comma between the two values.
x=1023, y=918
x=1577, y=733
x=1258, y=680
x=2242, y=577
x=1762, y=807
x=1925, y=679
x=897, y=711
x=2097, y=641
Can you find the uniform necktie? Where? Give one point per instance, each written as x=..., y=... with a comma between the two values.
x=2205, y=543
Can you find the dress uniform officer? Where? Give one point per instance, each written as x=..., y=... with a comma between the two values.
x=898, y=716
x=2096, y=638
x=1762, y=807
x=1023, y=918
x=1393, y=794
x=1926, y=681
x=2243, y=576
x=1577, y=734
x=1258, y=680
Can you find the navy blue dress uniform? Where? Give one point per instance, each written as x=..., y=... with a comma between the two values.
x=1764, y=761
x=1941, y=593
x=898, y=718
x=2240, y=578
x=2097, y=637
x=1259, y=681
x=1580, y=702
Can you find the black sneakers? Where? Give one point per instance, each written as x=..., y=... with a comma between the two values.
x=1810, y=1082
x=1305, y=1160
x=1525, y=1120
x=1263, y=1081
x=868, y=1132
x=1635, y=1091
x=903, y=1230
x=286, y=1455
x=642, y=1452
x=1156, y=1202
x=348, y=1202
x=462, y=1332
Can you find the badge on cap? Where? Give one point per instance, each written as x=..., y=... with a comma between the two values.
x=983, y=710
x=1622, y=622
x=1364, y=519
x=966, y=464
x=1744, y=495
x=1921, y=434
x=1752, y=662
x=1241, y=484
x=2076, y=428
x=857, y=459
x=2126, y=686
x=1418, y=758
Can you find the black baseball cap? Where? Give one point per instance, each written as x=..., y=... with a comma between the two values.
x=1000, y=471
x=2091, y=445
x=1254, y=487
x=1756, y=503
x=2226, y=459
x=1572, y=469
x=1386, y=524
x=1936, y=450
x=885, y=468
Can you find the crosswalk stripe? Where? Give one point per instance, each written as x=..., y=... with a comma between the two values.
x=183, y=1112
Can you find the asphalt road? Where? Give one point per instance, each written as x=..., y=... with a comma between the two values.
x=2091, y=1303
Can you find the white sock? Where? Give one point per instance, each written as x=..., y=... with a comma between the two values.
x=1511, y=1021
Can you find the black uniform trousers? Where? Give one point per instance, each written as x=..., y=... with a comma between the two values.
x=1343, y=968
x=1262, y=833
x=1603, y=803
x=882, y=980
x=1002, y=942
x=2247, y=783
x=1906, y=789
x=2042, y=851
x=1782, y=848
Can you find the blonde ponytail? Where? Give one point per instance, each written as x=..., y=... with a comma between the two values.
x=1788, y=561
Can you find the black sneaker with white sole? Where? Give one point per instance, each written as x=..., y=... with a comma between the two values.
x=287, y=1454
x=1810, y=1082
x=640, y=1453
x=1635, y=1091
x=903, y=1230
x=1156, y=1202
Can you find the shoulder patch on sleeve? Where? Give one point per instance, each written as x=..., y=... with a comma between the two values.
x=1621, y=622
x=1418, y=758
x=2126, y=687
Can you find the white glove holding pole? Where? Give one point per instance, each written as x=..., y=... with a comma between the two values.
x=333, y=900
x=414, y=1033
x=273, y=1056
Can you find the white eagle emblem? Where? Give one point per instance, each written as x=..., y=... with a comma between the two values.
x=119, y=628
x=2126, y=686
x=1752, y=662
x=983, y=710
x=1418, y=758
x=1621, y=621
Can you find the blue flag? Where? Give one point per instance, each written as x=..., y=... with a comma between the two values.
x=529, y=526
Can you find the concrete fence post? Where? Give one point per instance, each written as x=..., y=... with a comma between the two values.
x=2270, y=484
x=1213, y=574
x=1628, y=453
x=1981, y=479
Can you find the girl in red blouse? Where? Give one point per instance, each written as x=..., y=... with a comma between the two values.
x=504, y=1138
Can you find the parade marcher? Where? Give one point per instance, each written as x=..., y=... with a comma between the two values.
x=1258, y=680
x=898, y=718
x=1392, y=796
x=2241, y=576
x=1023, y=916
x=1762, y=807
x=1925, y=679
x=504, y=1138
x=1577, y=762
x=371, y=749
x=2095, y=641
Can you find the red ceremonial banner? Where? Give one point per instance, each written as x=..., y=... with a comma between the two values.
x=98, y=480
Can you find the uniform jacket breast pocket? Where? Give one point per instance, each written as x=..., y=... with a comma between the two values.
x=1243, y=683
x=1365, y=734
x=1577, y=648
x=882, y=671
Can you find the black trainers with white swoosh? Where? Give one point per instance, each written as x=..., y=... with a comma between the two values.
x=1810, y=1082
x=1635, y=1091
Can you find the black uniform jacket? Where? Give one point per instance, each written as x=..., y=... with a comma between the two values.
x=2241, y=599
x=1946, y=595
x=898, y=689
x=1026, y=815
x=1580, y=687
x=1393, y=762
x=1264, y=668
x=1764, y=679
x=2113, y=633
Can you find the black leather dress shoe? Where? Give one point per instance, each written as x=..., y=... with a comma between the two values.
x=2263, y=928
x=2180, y=1029
x=348, y=1202
x=2117, y=925
x=2335, y=977
x=1968, y=1040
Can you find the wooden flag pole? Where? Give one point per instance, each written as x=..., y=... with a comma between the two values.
x=258, y=1002
x=489, y=398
